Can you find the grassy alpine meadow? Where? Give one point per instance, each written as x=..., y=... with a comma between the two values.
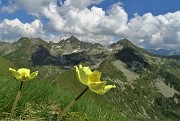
x=40, y=98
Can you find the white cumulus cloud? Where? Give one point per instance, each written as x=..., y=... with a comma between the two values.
x=13, y=29
x=149, y=29
x=31, y=6
x=87, y=21
x=81, y=4
x=93, y=24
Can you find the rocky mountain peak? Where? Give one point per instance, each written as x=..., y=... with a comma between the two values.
x=23, y=40
x=71, y=40
x=31, y=41
x=119, y=44
x=124, y=41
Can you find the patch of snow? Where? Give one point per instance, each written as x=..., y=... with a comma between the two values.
x=75, y=51
x=51, y=49
x=58, y=46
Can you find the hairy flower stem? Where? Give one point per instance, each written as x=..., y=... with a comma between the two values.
x=72, y=103
x=16, y=100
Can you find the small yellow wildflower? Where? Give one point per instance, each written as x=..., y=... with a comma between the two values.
x=92, y=80
x=23, y=74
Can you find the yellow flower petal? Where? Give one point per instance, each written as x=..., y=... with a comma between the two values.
x=33, y=75
x=92, y=80
x=97, y=87
x=108, y=87
x=24, y=72
x=15, y=73
x=77, y=72
x=82, y=74
x=87, y=70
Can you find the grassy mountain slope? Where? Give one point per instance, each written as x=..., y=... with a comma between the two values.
x=21, y=56
x=41, y=96
x=147, y=85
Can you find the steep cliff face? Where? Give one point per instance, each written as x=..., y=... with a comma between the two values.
x=134, y=60
x=42, y=57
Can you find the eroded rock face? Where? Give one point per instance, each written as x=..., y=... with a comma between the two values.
x=6, y=48
x=42, y=57
x=132, y=59
x=70, y=60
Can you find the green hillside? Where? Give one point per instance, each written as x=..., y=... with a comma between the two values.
x=142, y=95
x=40, y=96
x=148, y=86
x=21, y=56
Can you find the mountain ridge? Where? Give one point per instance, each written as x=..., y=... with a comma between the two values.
x=73, y=40
x=141, y=77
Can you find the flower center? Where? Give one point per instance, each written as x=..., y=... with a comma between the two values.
x=24, y=78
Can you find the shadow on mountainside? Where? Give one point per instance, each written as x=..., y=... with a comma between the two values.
x=42, y=57
x=133, y=60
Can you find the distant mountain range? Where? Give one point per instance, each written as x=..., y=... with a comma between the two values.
x=148, y=85
x=164, y=52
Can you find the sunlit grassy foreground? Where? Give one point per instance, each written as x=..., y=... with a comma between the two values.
x=92, y=80
x=39, y=98
x=22, y=74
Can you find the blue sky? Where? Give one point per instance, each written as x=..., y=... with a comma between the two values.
x=156, y=7
x=147, y=23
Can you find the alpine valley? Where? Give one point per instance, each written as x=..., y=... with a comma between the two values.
x=147, y=85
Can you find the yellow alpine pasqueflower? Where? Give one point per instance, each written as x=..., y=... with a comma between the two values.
x=23, y=74
x=92, y=80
